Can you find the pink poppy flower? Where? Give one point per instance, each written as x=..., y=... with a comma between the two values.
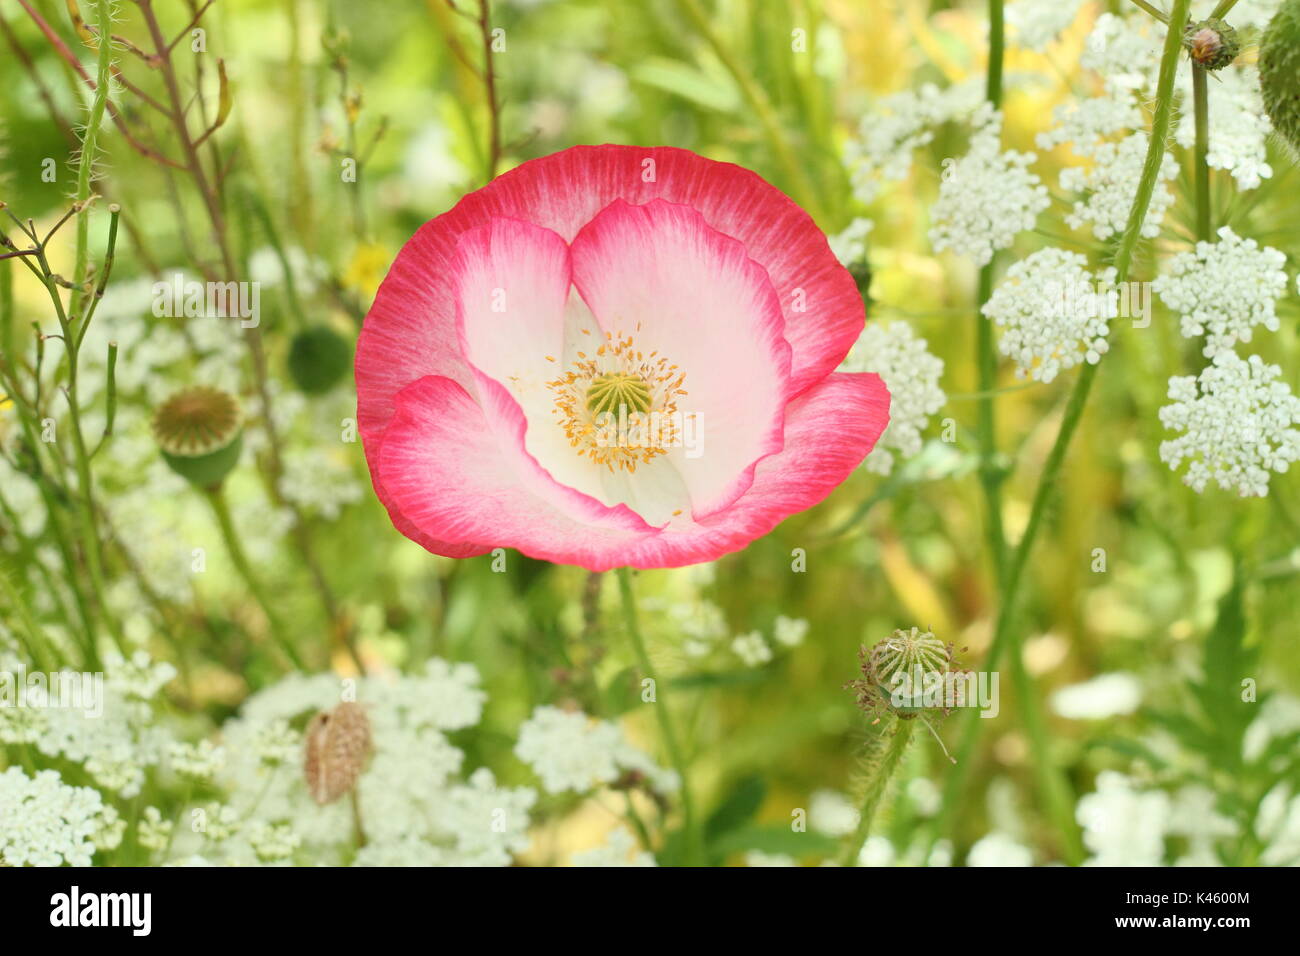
x=613, y=356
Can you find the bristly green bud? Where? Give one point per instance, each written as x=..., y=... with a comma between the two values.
x=898, y=658
x=200, y=433
x=1279, y=72
x=1211, y=43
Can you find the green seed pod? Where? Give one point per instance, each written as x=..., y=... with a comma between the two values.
x=1279, y=71
x=892, y=671
x=615, y=389
x=1211, y=43
x=318, y=359
x=200, y=433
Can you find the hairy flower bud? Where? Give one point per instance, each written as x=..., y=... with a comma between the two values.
x=897, y=659
x=1211, y=43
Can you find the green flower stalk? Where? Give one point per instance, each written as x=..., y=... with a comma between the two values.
x=199, y=431
x=1005, y=637
x=890, y=688
x=881, y=764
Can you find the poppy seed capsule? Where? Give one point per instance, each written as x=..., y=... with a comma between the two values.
x=615, y=389
x=891, y=669
x=336, y=748
x=199, y=431
x=1279, y=72
x=1212, y=43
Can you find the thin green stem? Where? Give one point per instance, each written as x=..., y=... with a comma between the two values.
x=1201, y=113
x=86, y=163
x=1153, y=10
x=38, y=645
x=85, y=487
x=997, y=43
x=230, y=536
x=990, y=474
x=758, y=101
x=693, y=841
x=1003, y=636
x=876, y=787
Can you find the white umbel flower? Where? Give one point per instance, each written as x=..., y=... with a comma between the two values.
x=789, y=631
x=1111, y=181
x=1036, y=23
x=155, y=830
x=1246, y=13
x=1052, y=312
x=986, y=197
x=752, y=650
x=895, y=353
x=617, y=850
x=1238, y=423
x=199, y=761
x=571, y=751
x=1086, y=123
x=1123, y=826
x=897, y=126
x=45, y=821
x=831, y=812
x=1103, y=696
x=1239, y=127
x=1123, y=50
x=1223, y=289
x=999, y=849
x=850, y=244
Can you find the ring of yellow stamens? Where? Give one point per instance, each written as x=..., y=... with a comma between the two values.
x=619, y=406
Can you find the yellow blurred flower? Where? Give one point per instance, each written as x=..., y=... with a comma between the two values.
x=366, y=269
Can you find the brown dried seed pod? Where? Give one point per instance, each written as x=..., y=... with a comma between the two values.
x=338, y=743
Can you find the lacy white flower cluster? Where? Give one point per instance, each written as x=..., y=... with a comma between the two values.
x=415, y=806
x=1245, y=13
x=415, y=803
x=48, y=823
x=1239, y=127
x=703, y=630
x=1124, y=51
x=895, y=353
x=1127, y=822
x=901, y=123
x=619, y=849
x=1122, y=825
x=1238, y=423
x=1110, y=183
x=1087, y=122
x=1053, y=312
x=986, y=197
x=570, y=751
x=1036, y=23
x=850, y=244
x=1223, y=289
x=115, y=748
